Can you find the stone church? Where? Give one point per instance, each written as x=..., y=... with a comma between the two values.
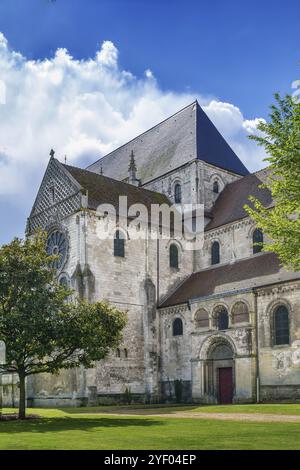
x=220, y=324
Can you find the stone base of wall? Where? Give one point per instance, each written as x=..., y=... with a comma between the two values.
x=10, y=395
x=280, y=393
x=179, y=391
x=56, y=402
x=121, y=399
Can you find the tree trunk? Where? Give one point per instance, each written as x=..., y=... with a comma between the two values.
x=22, y=399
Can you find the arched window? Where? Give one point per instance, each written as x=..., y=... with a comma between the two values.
x=63, y=281
x=177, y=193
x=126, y=353
x=240, y=313
x=118, y=353
x=201, y=319
x=216, y=187
x=281, y=325
x=119, y=244
x=177, y=327
x=215, y=253
x=258, y=238
x=174, y=256
x=222, y=318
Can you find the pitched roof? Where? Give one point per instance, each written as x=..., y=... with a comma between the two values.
x=102, y=189
x=187, y=135
x=230, y=204
x=257, y=271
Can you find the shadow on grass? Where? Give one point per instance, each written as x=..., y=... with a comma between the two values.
x=145, y=410
x=41, y=425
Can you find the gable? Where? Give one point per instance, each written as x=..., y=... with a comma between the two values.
x=67, y=197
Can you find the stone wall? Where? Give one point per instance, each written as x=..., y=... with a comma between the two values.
x=279, y=365
x=196, y=179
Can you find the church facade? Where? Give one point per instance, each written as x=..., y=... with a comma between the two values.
x=218, y=324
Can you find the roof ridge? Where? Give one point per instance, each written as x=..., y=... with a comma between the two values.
x=231, y=263
x=111, y=179
x=145, y=132
x=246, y=176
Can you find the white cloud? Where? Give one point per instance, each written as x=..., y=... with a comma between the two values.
x=149, y=74
x=86, y=108
x=108, y=54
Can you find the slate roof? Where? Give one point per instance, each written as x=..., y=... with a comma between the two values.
x=187, y=135
x=230, y=204
x=102, y=189
x=259, y=270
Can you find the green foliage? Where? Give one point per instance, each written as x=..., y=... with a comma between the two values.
x=42, y=330
x=281, y=140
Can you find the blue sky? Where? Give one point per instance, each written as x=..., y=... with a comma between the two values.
x=240, y=52
x=233, y=52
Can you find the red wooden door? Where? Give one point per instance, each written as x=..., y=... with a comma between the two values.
x=225, y=385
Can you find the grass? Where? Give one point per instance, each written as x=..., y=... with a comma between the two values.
x=278, y=409
x=71, y=428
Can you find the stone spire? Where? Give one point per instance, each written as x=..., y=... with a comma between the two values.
x=132, y=179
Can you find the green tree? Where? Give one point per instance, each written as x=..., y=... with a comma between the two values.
x=281, y=140
x=42, y=329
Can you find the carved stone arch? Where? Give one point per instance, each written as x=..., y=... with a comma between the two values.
x=276, y=303
x=211, y=342
x=177, y=180
x=217, y=176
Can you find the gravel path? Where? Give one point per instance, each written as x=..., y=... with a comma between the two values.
x=254, y=417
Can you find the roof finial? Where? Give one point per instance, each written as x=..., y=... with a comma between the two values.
x=65, y=159
x=52, y=153
x=101, y=170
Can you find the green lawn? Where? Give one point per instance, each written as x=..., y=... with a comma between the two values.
x=280, y=409
x=73, y=429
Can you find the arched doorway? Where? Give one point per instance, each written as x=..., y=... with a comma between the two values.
x=219, y=372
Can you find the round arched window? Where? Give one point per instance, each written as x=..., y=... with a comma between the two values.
x=240, y=312
x=281, y=325
x=177, y=193
x=216, y=187
x=215, y=253
x=221, y=317
x=257, y=239
x=201, y=319
x=174, y=256
x=177, y=327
